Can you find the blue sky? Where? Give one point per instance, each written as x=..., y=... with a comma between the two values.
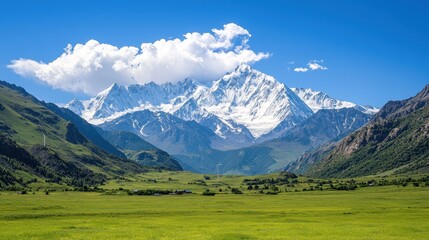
x=374, y=51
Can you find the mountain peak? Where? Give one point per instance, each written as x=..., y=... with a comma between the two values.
x=75, y=106
x=246, y=75
x=243, y=67
x=114, y=86
x=317, y=100
x=151, y=83
x=307, y=91
x=73, y=101
x=188, y=83
x=397, y=109
x=424, y=93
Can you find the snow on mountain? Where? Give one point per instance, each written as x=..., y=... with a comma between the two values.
x=244, y=103
x=164, y=131
x=194, y=121
x=75, y=106
x=190, y=110
x=236, y=134
x=318, y=100
x=119, y=100
x=253, y=99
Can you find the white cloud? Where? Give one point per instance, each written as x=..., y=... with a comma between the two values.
x=300, y=69
x=312, y=65
x=93, y=66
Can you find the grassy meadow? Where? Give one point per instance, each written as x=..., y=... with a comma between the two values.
x=383, y=212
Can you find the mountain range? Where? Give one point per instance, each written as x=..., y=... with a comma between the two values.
x=243, y=123
x=246, y=122
x=200, y=123
x=238, y=108
x=395, y=141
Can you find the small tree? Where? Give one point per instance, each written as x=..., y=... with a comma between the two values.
x=275, y=188
x=236, y=191
x=207, y=192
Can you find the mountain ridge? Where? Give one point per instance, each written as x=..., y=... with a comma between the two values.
x=66, y=156
x=140, y=151
x=317, y=100
x=188, y=119
x=396, y=138
x=274, y=154
x=244, y=88
x=243, y=107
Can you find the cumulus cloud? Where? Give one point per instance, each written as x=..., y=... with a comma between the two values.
x=92, y=67
x=312, y=65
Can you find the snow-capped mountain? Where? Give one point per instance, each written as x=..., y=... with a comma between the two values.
x=198, y=122
x=253, y=99
x=75, y=106
x=236, y=134
x=318, y=100
x=239, y=107
x=119, y=100
x=242, y=108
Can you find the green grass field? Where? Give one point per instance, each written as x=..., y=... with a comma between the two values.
x=385, y=212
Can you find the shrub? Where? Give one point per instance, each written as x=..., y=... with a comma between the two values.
x=345, y=187
x=149, y=192
x=271, y=193
x=198, y=182
x=208, y=193
x=236, y=191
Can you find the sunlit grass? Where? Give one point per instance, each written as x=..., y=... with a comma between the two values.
x=367, y=213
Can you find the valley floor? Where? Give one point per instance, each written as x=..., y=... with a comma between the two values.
x=388, y=212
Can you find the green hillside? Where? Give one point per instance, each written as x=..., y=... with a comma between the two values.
x=395, y=141
x=88, y=131
x=68, y=155
x=140, y=151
